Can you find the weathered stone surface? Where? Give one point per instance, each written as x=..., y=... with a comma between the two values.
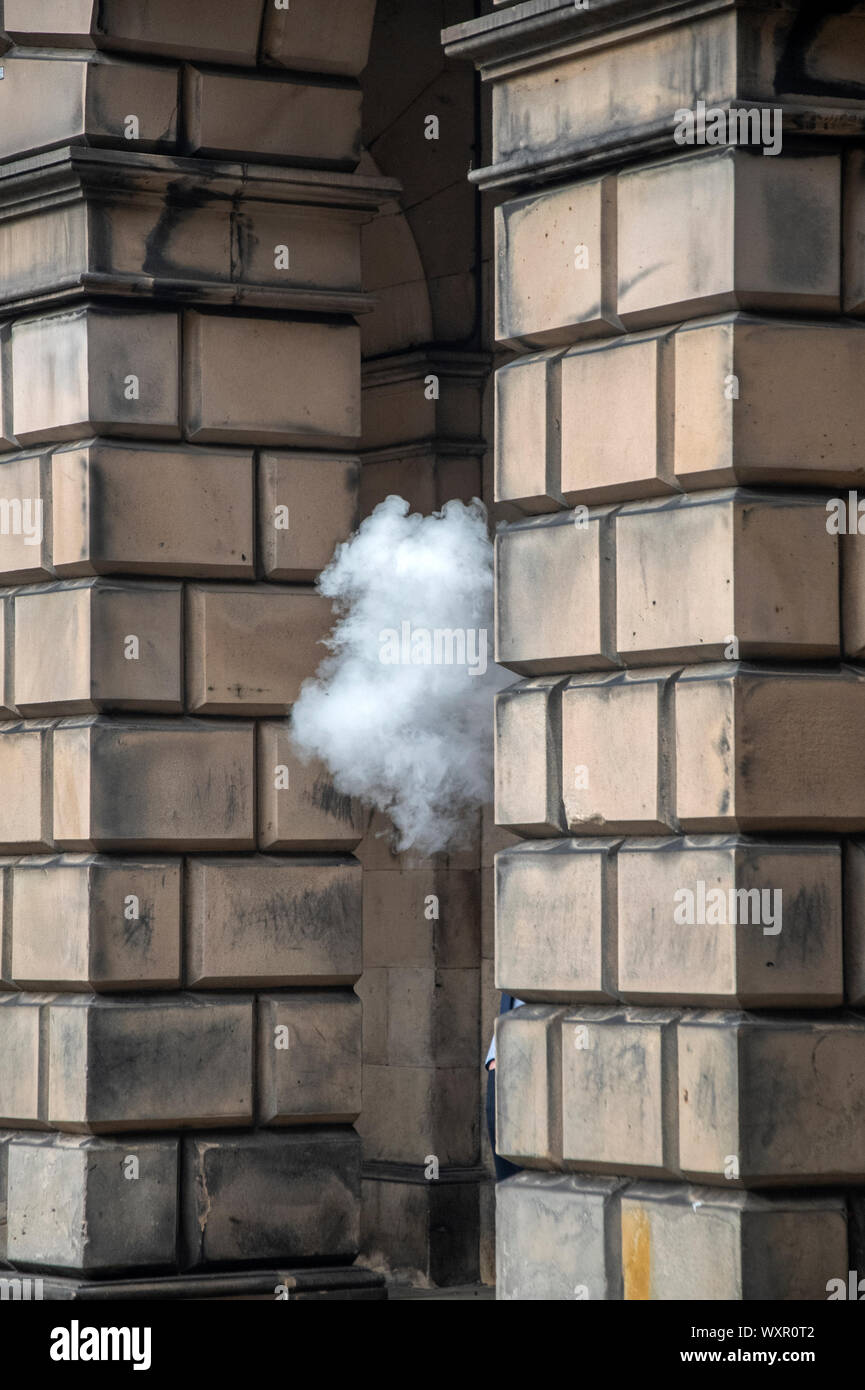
x=528, y=773
x=25, y=553
x=319, y=37
x=309, y=1058
x=150, y=510
x=95, y=371
x=281, y=119
x=772, y=1100
x=163, y=1062
x=432, y=1016
x=556, y=920
x=91, y=922
x=769, y=749
x=229, y=35
x=554, y=598
x=617, y=753
x=733, y=573
x=25, y=813
x=139, y=784
x=23, y=1021
x=619, y=1090
x=558, y=1238
x=527, y=433
x=686, y=1243
x=425, y=1230
x=272, y=920
x=92, y=1206
x=98, y=645
x=308, y=504
x=721, y=920
x=298, y=808
x=420, y=918
x=249, y=649
x=529, y=1086
x=231, y=365
x=256, y=1197
x=438, y=1109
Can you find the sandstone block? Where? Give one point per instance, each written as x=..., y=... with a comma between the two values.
x=249, y=649
x=766, y=749
x=149, y=785
x=619, y=1090
x=298, y=806
x=720, y=231
x=556, y=920
x=771, y=1100
x=558, y=1238
x=419, y=918
x=554, y=582
x=56, y=99
x=726, y=574
x=528, y=774
x=95, y=371
x=319, y=37
x=529, y=1086
x=433, y=1016
x=726, y=920
x=616, y=753
x=163, y=1062
x=309, y=1058
x=230, y=34
x=98, y=645
x=410, y=1113
x=308, y=504
x=151, y=510
x=271, y=920
x=23, y=1024
x=25, y=815
x=527, y=433
x=685, y=1243
x=271, y=381
x=431, y=1228
x=25, y=551
x=291, y=1196
x=92, y=1206
x=83, y=922
x=281, y=119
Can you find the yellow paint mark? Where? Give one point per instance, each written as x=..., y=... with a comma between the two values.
x=636, y=1255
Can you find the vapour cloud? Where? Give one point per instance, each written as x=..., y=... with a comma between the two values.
x=401, y=708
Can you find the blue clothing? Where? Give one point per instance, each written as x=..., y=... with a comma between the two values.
x=508, y=1002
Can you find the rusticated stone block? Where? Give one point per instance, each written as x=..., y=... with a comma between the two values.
x=281, y=119
x=271, y=381
x=619, y=1090
x=229, y=33
x=437, y=1110
x=271, y=920
x=617, y=753
x=552, y=285
x=419, y=918
x=311, y=36
x=23, y=1023
x=157, y=1062
x=556, y=920
x=290, y=1197
x=61, y=100
x=616, y=408
x=726, y=573
x=724, y=230
x=84, y=922
x=721, y=920
x=768, y=749
x=25, y=813
x=298, y=806
x=765, y=401
x=309, y=1058
x=25, y=553
x=92, y=1206
x=529, y=1086
x=249, y=650
x=308, y=504
x=527, y=769
x=151, y=510
x=771, y=1100
x=98, y=645
x=139, y=784
x=558, y=1238
x=7, y=439
x=527, y=433
x=95, y=371
x=6, y=1137
x=554, y=599
x=685, y=1243
x=854, y=922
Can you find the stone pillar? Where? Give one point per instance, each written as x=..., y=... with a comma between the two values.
x=681, y=753
x=181, y=377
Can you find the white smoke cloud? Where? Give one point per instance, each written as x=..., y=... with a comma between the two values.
x=401, y=709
